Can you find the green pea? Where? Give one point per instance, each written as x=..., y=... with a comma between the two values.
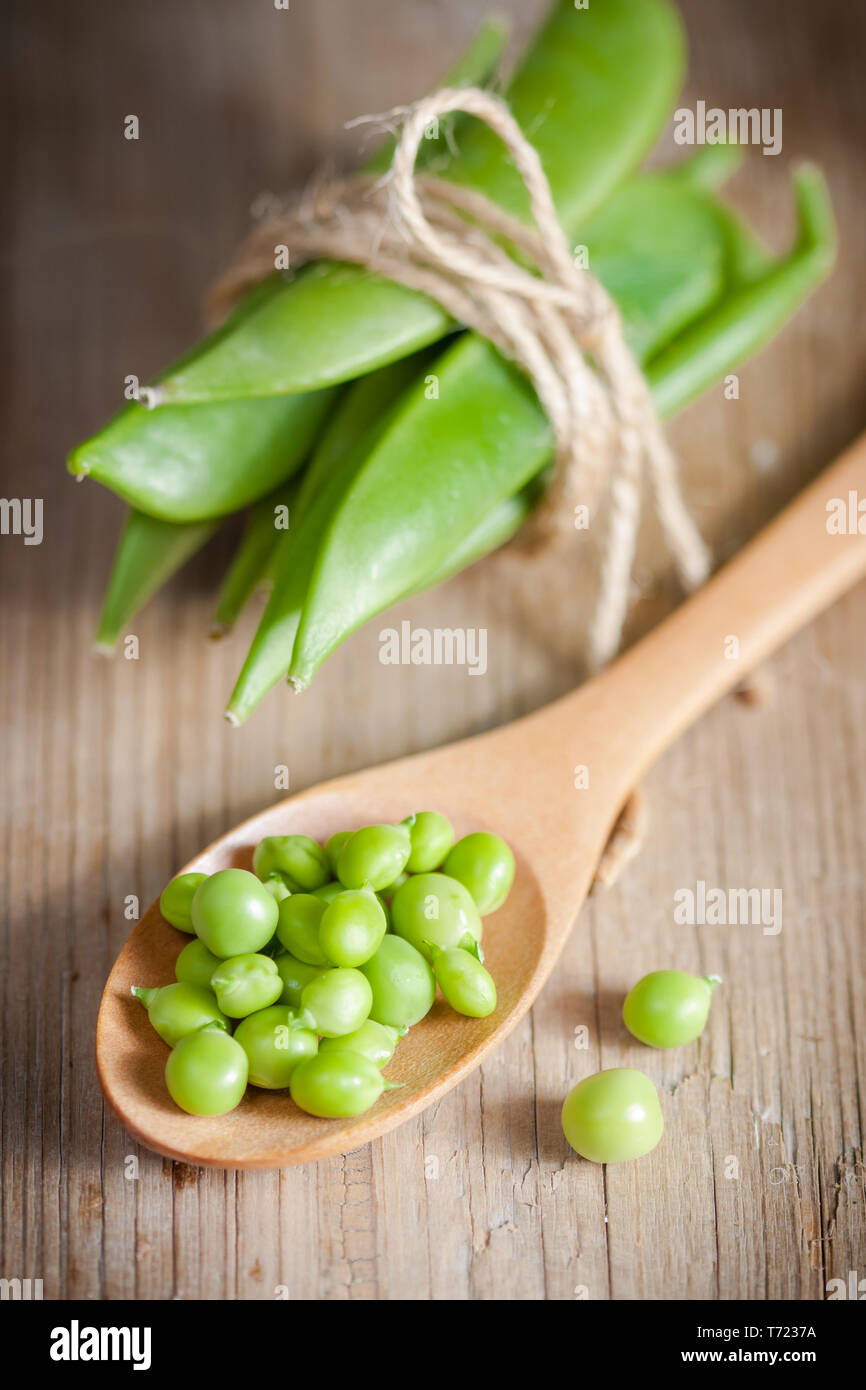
x=278, y=887
x=298, y=927
x=373, y=856
x=233, y=913
x=175, y=1010
x=466, y=984
x=402, y=983
x=336, y=1085
x=329, y=891
x=274, y=1046
x=305, y=862
x=274, y=947
x=177, y=899
x=437, y=908
x=295, y=974
x=373, y=1040
x=336, y=1002
x=352, y=927
x=669, y=1008
x=613, y=1116
x=485, y=865
x=392, y=887
x=432, y=835
x=206, y=1074
x=244, y=984
x=195, y=964
x=380, y=898
x=333, y=847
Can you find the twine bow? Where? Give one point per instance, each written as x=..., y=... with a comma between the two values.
x=556, y=322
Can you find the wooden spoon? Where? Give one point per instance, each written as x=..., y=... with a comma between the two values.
x=518, y=781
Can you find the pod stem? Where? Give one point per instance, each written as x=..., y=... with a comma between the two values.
x=473, y=946
x=713, y=980
x=144, y=996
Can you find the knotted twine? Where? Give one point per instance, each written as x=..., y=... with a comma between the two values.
x=555, y=322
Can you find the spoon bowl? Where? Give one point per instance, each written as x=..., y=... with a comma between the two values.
x=267, y=1129
x=551, y=785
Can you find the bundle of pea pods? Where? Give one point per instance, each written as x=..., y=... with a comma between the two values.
x=321, y=959
x=310, y=408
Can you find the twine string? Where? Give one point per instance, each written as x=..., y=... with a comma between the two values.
x=550, y=316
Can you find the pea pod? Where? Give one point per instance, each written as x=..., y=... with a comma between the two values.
x=592, y=93
x=267, y=520
x=659, y=248
x=151, y=551
x=148, y=553
x=361, y=416
x=180, y=465
x=468, y=471
x=708, y=166
x=498, y=526
x=267, y=659
x=656, y=301
x=474, y=69
x=477, y=385
x=745, y=256
x=198, y=462
x=756, y=309
x=269, y=654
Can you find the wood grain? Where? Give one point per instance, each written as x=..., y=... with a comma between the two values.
x=113, y=775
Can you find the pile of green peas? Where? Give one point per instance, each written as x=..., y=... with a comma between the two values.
x=305, y=973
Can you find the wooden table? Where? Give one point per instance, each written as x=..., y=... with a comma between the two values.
x=115, y=773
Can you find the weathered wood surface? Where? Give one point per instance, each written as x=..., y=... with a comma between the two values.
x=114, y=774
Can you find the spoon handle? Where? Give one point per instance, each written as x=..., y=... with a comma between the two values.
x=622, y=721
x=803, y=560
